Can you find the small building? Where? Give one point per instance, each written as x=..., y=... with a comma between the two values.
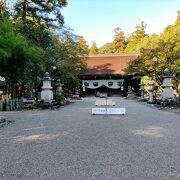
x=106, y=74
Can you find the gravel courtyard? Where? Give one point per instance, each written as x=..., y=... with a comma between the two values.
x=71, y=144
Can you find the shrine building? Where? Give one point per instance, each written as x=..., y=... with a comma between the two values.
x=106, y=74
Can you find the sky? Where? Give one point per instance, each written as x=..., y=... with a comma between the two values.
x=96, y=19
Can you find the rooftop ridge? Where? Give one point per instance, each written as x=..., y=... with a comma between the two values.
x=109, y=55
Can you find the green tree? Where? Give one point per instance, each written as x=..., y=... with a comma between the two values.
x=93, y=49
x=150, y=42
x=65, y=55
x=39, y=13
x=134, y=42
x=166, y=48
x=119, y=40
x=17, y=54
x=170, y=48
x=106, y=49
x=83, y=46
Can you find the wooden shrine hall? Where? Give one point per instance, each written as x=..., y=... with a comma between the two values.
x=105, y=74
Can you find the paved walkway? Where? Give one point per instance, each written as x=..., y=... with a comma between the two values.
x=71, y=144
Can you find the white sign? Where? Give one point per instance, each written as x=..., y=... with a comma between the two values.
x=109, y=111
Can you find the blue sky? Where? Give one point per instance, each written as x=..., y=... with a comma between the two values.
x=96, y=19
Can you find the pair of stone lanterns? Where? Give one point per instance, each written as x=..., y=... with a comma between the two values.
x=167, y=90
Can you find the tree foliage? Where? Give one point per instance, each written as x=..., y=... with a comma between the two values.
x=83, y=46
x=29, y=45
x=69, y=61
x=166, y=48
x=93, y=49
x=106, y=49
x=119, y=41
x=16, y=53
x=134, y=42
x=40, y=13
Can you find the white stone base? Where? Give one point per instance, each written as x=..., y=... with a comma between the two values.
x=167, y=93
x=47, y=96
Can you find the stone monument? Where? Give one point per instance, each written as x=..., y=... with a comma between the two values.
x=167, y=92
x=46, y=89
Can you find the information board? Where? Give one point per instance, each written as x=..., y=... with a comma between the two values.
x=121, y=111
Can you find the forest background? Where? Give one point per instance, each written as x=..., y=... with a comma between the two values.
x=33, y=40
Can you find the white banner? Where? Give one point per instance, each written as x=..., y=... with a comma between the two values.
x=110, y=83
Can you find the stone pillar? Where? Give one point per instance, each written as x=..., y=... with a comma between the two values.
x=46, y=89
x=167, y=92
x=142, y=90
x=151, y=88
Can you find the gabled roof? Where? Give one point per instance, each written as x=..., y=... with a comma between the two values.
x=113, y=64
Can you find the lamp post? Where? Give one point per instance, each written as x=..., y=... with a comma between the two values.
x=155, y=75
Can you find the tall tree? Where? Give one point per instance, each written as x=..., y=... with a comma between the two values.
x=170, y=49
x=134, y=42
x=83, y=46
x=68, y=59
x=44, y=13
x=119, y=40
x=93, y=49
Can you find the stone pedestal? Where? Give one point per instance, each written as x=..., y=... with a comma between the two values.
x=46, y=89
x=167, y=92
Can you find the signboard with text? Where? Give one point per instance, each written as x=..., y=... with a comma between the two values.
x=121, y=111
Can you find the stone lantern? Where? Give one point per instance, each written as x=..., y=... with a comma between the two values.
x=59, y=87
x=46, y=89
x=84, y=88
x=142, y=90
x=151, y=89
x=167, y=92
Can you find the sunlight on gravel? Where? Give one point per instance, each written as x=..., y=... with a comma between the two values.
x=153, y=131
x=37, y=137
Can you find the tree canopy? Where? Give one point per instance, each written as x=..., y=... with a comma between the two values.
x=40, y=13
x=93, y=49
x=30, y=44
x=166, y=48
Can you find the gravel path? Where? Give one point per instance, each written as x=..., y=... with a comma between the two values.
x=71, y=144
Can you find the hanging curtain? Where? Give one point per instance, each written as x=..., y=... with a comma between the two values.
x=110, y=83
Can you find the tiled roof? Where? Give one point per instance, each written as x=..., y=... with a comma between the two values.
x=108, y=64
